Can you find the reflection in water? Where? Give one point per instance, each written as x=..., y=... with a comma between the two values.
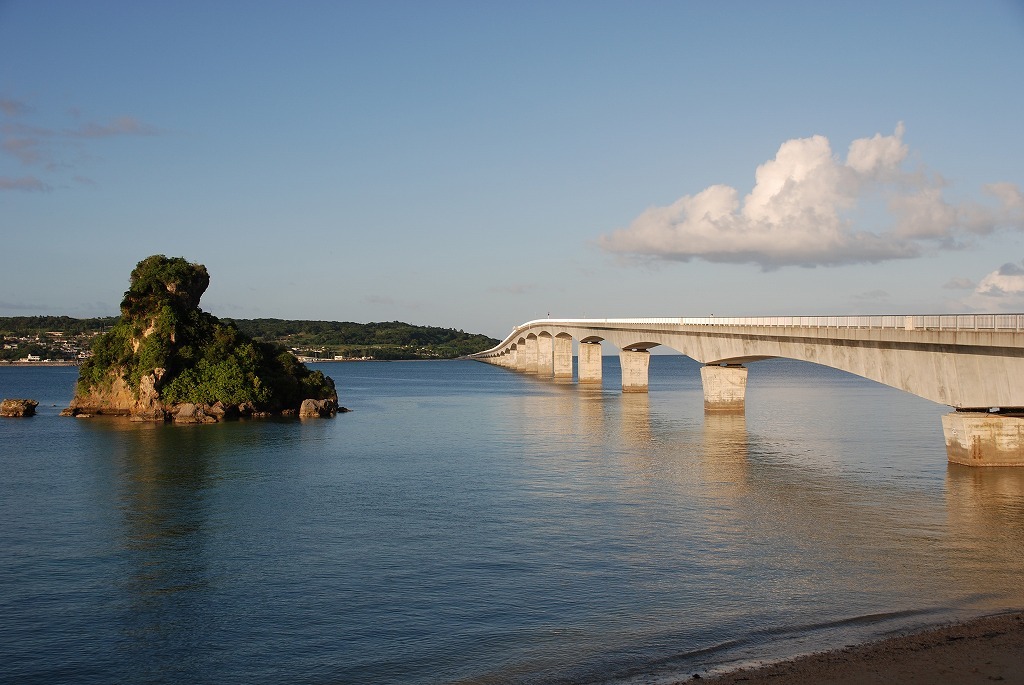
x=166, y=473
x=468, y=524
x=165, y=477
x=635, y=419
x=590, y=401
x=724, y=451
x=985, y=519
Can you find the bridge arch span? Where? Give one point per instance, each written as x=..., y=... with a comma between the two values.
x=972, y=362
x=961, y=366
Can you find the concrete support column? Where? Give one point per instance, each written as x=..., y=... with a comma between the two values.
x=634, y=369
x=589, y=362
x=545, y=356
x=983, y=439
x=530, y=358
x=513, y=359
x=563, y=357
x=725, y=387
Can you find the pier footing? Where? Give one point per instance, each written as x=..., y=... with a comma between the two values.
x=634, y=369
x=984, y=439
x=589, y=364
x=725, y=387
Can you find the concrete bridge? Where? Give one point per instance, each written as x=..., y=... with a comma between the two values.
x=973, y=363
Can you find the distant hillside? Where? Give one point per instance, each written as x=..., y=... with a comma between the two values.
x=57, y=338
x=24, y=335
x=38, y=325
x=385, y=340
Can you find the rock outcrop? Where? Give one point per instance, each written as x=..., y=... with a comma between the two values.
x=18, y=408
x=186, y=412
x=317, y=409
x=167, y=360
x=117, y=398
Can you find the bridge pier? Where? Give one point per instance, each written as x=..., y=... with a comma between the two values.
x=634, y=369
x=589, y=362
x=563, y=356
x=725, y=387
x=545, y=356
x=529, y=361
x=978, y=438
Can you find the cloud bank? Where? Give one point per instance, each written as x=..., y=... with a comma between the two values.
x=48, y=149
x=1006, y=280
x=804, y=210
x=27, y=183
x=1001, y=290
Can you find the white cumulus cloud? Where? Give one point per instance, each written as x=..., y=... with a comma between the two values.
x=802, y=208
x=1000, y=290
x=1006, y=280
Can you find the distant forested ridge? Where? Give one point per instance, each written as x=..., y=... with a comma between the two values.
x=56, y=338
x=36, y=325
x=34, y=335
x=384, y=340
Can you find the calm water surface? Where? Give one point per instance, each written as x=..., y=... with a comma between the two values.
x=467, y=524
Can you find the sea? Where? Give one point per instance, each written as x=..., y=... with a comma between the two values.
x=469, y=524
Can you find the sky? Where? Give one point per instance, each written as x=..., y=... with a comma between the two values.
x=475, y=165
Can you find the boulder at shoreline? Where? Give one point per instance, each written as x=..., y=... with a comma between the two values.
x=317, y=409
x=18, y=408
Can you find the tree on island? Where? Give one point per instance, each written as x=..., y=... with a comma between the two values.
x=165, y=352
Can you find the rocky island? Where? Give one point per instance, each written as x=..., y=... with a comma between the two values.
x=167, y=360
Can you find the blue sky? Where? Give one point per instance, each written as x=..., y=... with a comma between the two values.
x=479, y=164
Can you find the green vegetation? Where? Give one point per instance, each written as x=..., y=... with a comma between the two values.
x=194, y=356
x=59, y=338
x=388, y=340
x=318, y=339
x=13, y=326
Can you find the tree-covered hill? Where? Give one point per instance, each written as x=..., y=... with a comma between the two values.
x=56, y=338
x=40, y=325
x=24, y=335
x=385, y=340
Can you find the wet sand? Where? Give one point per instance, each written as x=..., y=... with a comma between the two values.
x=985, y=650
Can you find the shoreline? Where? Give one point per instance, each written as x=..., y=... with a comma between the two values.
x=2, y=363
x=980, y=650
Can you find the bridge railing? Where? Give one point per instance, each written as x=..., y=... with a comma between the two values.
x=955, y=322
x=961, y=322
x=929, y=322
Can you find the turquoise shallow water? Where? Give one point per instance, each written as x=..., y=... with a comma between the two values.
x=467, y=524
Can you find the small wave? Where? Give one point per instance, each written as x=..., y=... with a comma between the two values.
x=759, y=647
x=862, y=620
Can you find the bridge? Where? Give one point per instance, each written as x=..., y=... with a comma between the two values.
x=973, y=363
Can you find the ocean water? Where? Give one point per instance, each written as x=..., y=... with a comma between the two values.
x=468, y=524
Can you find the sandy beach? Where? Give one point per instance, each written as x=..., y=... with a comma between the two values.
x=984, y=650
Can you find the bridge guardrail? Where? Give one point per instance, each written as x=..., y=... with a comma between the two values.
x=955, y=322
x=922, y=322
x=962, y=322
